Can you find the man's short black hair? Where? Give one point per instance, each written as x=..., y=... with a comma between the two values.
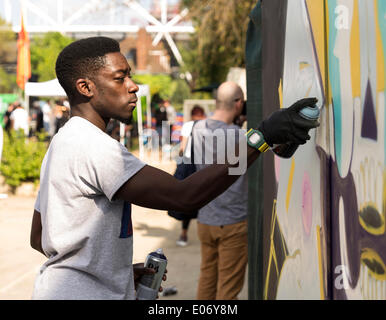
x=81, y=59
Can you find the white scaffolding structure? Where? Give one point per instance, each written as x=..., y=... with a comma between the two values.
x=98, y=16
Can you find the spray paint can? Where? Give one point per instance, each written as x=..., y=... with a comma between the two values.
x=150, y=283
x=286, y=150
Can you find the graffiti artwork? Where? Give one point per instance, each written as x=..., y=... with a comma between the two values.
x=326, y=224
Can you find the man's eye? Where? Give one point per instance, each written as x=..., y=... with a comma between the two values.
x=120, y=79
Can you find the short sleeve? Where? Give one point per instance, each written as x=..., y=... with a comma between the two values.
x=105, y=167
x=187, y=129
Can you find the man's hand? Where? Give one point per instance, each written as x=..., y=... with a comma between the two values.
x=287, y=125
x=140, y=270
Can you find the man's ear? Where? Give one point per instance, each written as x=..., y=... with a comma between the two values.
x=238, y=107
x=85, y=87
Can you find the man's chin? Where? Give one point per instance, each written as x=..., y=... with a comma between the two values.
x=127, y=121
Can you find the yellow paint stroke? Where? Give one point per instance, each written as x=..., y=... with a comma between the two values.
x=322, y=296
x=372, y=230
x=303, y=65
x=384, y=196
x=355, y=52
x=296, y=253
x=372, y=257
x=379, y=53
x=327, y=38
x=280, y=90
x=271, y=249
x=290, y=182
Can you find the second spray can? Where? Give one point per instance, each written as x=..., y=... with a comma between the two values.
x=150, y=283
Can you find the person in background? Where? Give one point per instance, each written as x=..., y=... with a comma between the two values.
x=222, y=223
x=37, y=124
x=19, y=119
x=161, y=117
x=7, y=115
x=171, y=115
x=197, y=113
x=113, y=129
x=62, y=114
x=241, y=120
x=47, y=113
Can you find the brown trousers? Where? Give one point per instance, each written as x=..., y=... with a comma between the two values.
x=224, y=256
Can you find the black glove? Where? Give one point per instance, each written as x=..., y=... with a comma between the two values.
x=287, y=125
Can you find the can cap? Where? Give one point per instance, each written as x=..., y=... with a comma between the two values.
x=310, y=113
x=159, y=254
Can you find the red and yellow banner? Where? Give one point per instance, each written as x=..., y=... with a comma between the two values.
x=23, y=57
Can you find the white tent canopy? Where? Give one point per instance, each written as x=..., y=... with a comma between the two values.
x=52, y=88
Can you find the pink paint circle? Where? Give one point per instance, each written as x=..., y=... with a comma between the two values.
x=307, y=204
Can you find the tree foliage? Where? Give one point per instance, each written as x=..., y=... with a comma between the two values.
x=44, y=51
x=165, y=87
x=219, y=40
x=22, y=158
x=8, y=53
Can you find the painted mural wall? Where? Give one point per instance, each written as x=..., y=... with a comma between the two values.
x=325, y=223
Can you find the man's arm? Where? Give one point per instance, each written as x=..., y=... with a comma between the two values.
x=154, y=188
x=183, y=144
x=36, y=232
x=157, y=189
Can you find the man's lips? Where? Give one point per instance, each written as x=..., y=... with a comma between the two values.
x=133, y=102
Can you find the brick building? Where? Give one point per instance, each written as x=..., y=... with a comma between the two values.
x=143, y=57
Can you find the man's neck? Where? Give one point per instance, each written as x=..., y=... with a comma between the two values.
x=223, y=115
x=86, y=112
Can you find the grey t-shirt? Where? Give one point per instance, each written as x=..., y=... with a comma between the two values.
x=231, y=206
x=86, y=236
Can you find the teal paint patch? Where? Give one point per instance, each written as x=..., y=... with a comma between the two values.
x=333, y=67
x=382, y=26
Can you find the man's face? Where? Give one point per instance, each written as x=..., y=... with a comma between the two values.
x=115, y=96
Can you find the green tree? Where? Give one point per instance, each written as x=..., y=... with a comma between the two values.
x=158, y=83
x=44, y=51
x=219, y=40
x=176, y=90
x=7, y=82
x=8, y=56
x=22, y=158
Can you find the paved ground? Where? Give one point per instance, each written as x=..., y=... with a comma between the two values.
x=152, y=230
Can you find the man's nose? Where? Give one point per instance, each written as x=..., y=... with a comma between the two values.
x=132, y=87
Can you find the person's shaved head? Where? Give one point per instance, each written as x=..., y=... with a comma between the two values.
x=227, y=94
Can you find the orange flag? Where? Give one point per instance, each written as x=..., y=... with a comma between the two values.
x=23, y=72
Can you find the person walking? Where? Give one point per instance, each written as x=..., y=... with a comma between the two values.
x=197, y=113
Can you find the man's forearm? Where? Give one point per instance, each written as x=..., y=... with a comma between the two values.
x=208, y=183
x=153, y=188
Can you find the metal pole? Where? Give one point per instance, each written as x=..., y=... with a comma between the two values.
x=140, y=128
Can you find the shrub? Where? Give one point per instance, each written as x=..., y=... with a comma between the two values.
x=22, y=158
